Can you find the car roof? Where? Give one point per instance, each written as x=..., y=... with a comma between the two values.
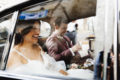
x=79, y=8
x=19, y=6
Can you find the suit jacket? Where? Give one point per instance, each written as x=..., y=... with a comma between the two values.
x=59, y=48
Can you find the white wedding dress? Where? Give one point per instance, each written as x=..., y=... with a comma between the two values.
x=34, y=67
x=49, y=67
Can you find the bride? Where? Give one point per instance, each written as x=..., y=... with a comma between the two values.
x=27, y=57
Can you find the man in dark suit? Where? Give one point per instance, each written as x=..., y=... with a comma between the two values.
x=60, y=46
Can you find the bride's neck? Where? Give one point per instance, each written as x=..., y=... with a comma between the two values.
x=28, y=45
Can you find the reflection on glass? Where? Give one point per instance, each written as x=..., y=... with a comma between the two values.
x=50, y=40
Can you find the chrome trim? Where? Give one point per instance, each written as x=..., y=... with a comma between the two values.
x=115, y=37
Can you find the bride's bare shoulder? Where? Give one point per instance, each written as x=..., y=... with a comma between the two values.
x=13, y=57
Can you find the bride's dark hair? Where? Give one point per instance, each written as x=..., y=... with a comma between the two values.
x=19, y=36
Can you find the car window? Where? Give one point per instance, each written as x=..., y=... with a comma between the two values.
x=41, y=48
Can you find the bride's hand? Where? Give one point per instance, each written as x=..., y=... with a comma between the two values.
x=63, y=72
